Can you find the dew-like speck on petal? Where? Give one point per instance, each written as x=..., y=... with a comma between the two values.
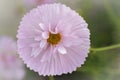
x=62, y=50
x=43, y=43
x=45, y=35
x=42, y=26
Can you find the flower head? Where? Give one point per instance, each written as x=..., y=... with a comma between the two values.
x=11, y=68
x=53, y=39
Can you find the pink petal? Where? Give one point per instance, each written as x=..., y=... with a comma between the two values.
x=45, y=35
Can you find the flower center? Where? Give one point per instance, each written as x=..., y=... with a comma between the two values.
x=54, y=38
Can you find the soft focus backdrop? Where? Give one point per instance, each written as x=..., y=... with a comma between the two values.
x=103, y=17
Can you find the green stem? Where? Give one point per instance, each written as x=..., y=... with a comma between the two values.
x=105, y=48
x=51, y=78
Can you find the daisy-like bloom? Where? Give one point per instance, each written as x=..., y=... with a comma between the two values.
x=11, y=68
x=53, y=40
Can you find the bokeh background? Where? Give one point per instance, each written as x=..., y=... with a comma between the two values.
x=103, y=17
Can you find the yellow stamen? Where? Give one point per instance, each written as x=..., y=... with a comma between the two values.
x=54, y=38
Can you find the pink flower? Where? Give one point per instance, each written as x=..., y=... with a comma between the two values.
x=34, y=3
x=53, y=40
x=11, y=68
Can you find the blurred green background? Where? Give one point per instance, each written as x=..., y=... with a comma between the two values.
x=103, y=17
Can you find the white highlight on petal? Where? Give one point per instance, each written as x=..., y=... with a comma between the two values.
x=42, y=26
x=38, y=38
x=45, y=35
x=53, y=32
x=43, y=43
x=56, y=30
x=62, y=50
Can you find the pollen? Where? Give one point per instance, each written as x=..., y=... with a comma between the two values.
x=54, y=38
